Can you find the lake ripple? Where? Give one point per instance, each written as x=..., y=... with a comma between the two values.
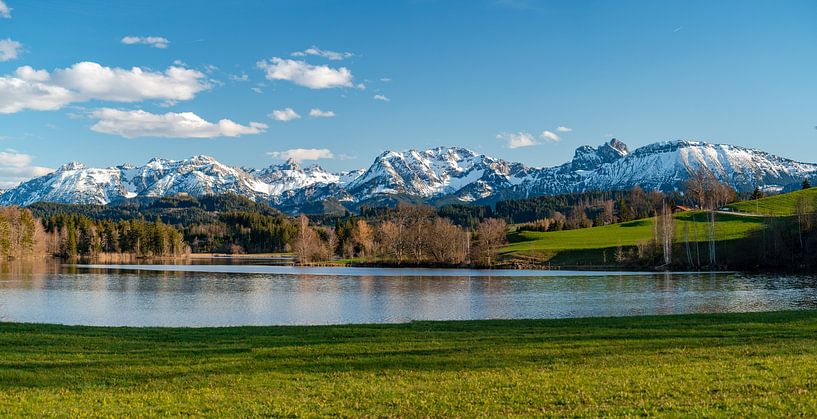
x=226, y=295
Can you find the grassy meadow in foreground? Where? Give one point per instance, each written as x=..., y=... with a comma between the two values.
x=759, y=364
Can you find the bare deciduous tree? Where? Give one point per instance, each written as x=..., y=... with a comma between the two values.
x=447, y=243
x=491, y=234
x=390, y=237
x=802, y=209
x=608, y=212
x=709, y=194
x=418, y=220
x=363, y=236
x=666, y=232
x=307, y=243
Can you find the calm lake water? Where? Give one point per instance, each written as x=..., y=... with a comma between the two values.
x=220, y=295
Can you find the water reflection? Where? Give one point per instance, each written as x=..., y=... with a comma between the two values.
x=261, y=295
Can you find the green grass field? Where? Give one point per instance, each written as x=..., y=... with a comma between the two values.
x=583, y=246
x=762, y=364
x=595, y=246
x=783, y=204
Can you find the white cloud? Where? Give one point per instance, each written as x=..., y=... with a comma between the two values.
x=385, y=79
x=40, y=90
x=517, y=140
x=11, y=157
x=154, y=41
x=381, y=97
x=17, y=94
x=29, y=74
x=121, y=85
x=257, y=89
x=9, y=49
x=284, y=115
x=301, y=154
x=16, y=167
x=330, y=55
x=243, y=77
x=5, y=11
x=550, y=136
x=564, y=129
x=305, y=74
x=138, y=123
x=318, y=113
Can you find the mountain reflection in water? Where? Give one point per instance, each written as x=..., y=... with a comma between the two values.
x=217, y=294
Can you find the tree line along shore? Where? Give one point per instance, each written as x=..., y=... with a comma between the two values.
x=709, y=226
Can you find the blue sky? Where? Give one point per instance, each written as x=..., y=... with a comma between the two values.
x=489, y=75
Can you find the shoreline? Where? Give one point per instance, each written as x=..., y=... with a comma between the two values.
x=272, y=256
x=332, y=270
x=544, y=321
x=514, y=266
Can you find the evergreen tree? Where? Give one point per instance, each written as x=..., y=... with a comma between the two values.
x=79, y=235
x=624, y=211
x=757, y=194
x=806, y=184
x=71, y=242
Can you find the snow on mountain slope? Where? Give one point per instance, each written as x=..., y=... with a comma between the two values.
x=436, y=172
x=290, y=176
x=73, y=182
x=590, y=158
x=667, y=165
x=197, y=176
x=439, y=175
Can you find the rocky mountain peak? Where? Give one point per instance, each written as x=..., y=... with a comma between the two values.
x=290, y=164
x=72, y=165
x=442, y=174
x=591, y=158
x=616, y=148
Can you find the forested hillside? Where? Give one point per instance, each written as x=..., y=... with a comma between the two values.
x=222, y=223
x=75, y=235
x=181, y=209
x=632, y=228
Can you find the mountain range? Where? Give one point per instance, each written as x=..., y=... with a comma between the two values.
x=436, y=176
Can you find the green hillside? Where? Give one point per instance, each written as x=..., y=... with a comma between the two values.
x=624, y=234
x=779, y=205
x=588, y=246
x=597, y=245
x=728, y=227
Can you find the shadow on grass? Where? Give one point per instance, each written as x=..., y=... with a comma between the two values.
x=47, y=356
x=637, y=223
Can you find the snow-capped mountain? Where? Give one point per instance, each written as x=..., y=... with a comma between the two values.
x=76, y=183
x=436, y=172
x=290, y=176
x=73, y=182
x=667, y=165
x=197, y=176
x=443, y=174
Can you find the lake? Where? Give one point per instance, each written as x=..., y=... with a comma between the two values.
x=219, y=294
